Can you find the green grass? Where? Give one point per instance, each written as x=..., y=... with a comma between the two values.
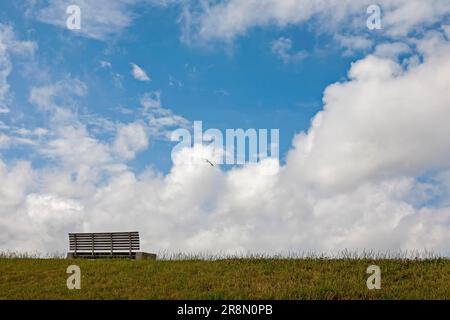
x=225, y=279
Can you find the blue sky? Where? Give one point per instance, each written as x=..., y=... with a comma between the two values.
x=239, y=85
x=86, y=115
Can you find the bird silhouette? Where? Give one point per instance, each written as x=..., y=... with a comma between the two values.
x=212, y=164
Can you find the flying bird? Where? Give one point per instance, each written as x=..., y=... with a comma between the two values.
x=212, y=164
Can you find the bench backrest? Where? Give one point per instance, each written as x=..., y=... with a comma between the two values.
x=111, y=242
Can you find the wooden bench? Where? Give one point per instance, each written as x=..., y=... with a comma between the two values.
x=106, y=245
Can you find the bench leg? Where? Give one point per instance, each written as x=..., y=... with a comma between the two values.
x=70, y=255
x=145, y=256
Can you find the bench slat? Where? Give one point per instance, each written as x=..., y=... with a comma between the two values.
x=104, y=238
x=103, y=247
x=105, y=241
x=88, y=235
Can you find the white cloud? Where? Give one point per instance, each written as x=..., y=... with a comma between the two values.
x=226, y=20
x=9, y=45
x=105, y=64
x=138, y=73
x=44, y=207
x=353, y=44
x=4, y=109
x=100, y=19
x=160, y=121
x=397, y=123
x=67, y=139
x=130, y=139
x=76, y=148
x=282, y=47
x=447, y=31
x=5, y=141
x=403, y=17
x=9, y=42
x=16, y=179
x=391, y=50
x=50, y=97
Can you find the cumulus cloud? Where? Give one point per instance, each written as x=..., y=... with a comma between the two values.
x=67, y=142
x=138, y=73
x=76, y=148
x=5, y=141
x=388, y=135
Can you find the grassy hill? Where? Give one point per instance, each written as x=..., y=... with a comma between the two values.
x=225, y=279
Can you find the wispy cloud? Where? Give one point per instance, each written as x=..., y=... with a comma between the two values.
x=138, y=73
x=4, y=109
x=353, y=44
x=227, y=20
x=161, y=121
x=101, y=19
x=10, y=45
x=282, y=47
x=105, y=64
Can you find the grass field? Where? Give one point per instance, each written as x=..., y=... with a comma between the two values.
x=225, y=279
